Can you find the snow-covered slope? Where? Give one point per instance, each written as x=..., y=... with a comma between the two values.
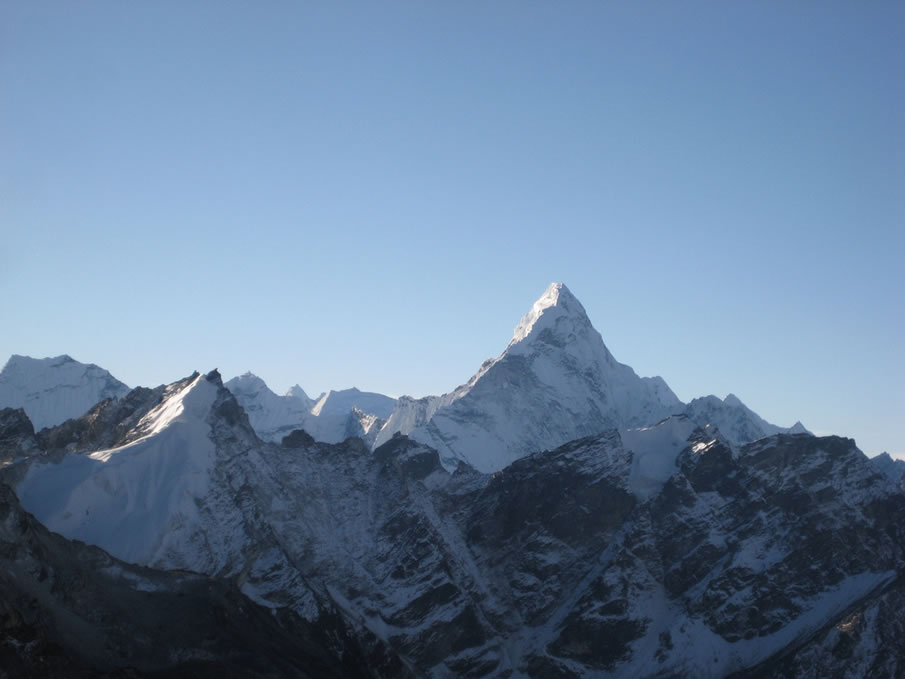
x=365, y=426
x=334, y=417
x=411, y=413
x=53, y=390
x=345, y=401
x=655, y=451
x=137, y=501
x=338, y=415
x=556, y=381
x=737, y=422
x=272, y=416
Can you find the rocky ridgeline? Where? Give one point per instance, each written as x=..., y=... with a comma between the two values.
x=662, y=552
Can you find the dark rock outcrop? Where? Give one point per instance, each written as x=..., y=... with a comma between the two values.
x=69, y=609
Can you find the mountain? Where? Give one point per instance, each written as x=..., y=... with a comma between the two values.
x=890, y=467
x=365, y=426
x=661, y=539
x=655, y=551
x=338, y=415
x=344, y=401
x=334, y=417
x=272, y=416
x=556, y=381
x=53, y=390
x=736, y=421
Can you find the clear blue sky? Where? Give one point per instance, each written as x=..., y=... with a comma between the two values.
x=372, y=194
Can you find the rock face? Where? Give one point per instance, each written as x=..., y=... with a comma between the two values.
x=865, y=642
x=890, y=467
x=660, y=551
x=17, y=436
x=69, y=609
x=53, y=390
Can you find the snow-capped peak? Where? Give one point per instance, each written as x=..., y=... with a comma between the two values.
x=341, y=402
x=53, y=390
x=189, y=399
x=798, y=428
x=736, y=422
x=556, y=302
x=247, y=382
x=733, y=401
x=331, y=419
x=296, y=391
x=271, y=416
x=25, y=362
x=330, y=397
x=250, y=386
x=555, y=381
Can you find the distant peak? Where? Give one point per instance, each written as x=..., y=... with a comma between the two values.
x=246, y=379
x=60, y=365
x=732, y=400
x=296, y=391
x=798, y=428
x=248, y=383
x=558, y=300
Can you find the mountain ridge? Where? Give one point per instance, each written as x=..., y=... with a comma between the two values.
x=558, y=361
x=518, y=571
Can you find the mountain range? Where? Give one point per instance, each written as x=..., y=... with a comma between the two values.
x=555, y=516
x=554, y=382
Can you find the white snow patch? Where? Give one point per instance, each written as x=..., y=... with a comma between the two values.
x=136, y=581
x=655, y=450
